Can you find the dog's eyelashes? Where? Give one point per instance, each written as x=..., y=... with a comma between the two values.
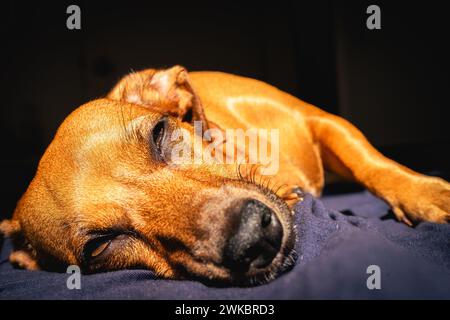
x=158, y=136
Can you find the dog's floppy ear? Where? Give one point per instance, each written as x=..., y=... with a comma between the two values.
x=168, y=91
x=23, y=254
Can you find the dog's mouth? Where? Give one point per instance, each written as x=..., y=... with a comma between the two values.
x=217, y=275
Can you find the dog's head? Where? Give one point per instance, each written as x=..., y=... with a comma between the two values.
x=108, y=195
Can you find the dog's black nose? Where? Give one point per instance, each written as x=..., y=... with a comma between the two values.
x=256, y=239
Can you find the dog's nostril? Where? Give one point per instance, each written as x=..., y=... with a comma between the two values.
x=256, y=240
x=266, y=218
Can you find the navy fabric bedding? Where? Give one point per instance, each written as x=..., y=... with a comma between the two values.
x=334, y=250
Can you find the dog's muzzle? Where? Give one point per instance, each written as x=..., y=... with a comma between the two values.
x=254, y=240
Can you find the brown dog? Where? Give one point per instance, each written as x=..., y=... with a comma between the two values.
x=107, y=194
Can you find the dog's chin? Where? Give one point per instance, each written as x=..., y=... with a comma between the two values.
x=280, y=265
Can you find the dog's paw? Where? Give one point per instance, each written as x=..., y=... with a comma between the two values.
x=24, y=259
x=428, y=200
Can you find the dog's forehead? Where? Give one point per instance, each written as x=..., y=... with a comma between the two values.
x=104, y=124
x=111, y=169
x=111, y=133
x=103, y=114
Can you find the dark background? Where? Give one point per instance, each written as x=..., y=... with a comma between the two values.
x=392, y=83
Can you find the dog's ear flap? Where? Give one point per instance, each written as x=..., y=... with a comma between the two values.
x=168, y=91
x=23, y=254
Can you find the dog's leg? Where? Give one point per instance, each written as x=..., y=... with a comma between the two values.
x=413, y=197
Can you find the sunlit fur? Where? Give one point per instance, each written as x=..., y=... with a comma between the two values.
x=100, y=181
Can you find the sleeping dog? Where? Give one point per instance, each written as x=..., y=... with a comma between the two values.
x=109, y=194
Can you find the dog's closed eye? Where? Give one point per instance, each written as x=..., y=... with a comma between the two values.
x=99, y=249
x=158, y=137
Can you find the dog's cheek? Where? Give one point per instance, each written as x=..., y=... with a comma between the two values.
x=137, y=254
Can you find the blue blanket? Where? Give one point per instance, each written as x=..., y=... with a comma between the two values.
x=334, y=250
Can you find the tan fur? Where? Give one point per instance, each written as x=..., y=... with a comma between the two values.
x=97, y=173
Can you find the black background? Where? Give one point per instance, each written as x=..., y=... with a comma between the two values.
x=392, y=83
